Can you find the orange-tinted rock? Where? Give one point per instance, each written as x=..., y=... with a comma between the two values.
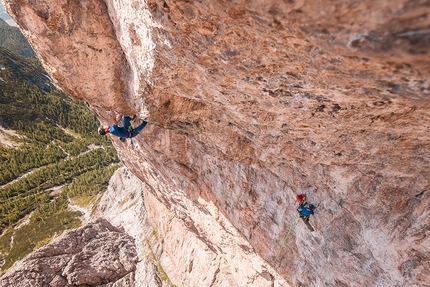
x=78, y=47
x=261, y=100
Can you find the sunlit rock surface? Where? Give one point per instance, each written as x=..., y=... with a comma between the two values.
x=209, y=253
x=257, y=101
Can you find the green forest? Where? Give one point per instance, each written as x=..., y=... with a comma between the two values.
x=55, y=158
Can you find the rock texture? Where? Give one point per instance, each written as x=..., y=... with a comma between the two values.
x=171, y=253
x=257, y=101
x=95, y=255
x=77, y=44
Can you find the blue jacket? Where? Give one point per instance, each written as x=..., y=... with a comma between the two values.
x=305, y=211
x=118, y=131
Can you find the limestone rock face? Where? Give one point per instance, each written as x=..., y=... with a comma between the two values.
x=79, y=35
x=210, y=253
x=256, y=101
x=95, y=255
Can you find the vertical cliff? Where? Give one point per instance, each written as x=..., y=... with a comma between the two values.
x=170, y=252
x=258, y=101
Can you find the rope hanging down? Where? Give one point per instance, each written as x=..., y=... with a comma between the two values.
x=265, y=159
x=285, y=240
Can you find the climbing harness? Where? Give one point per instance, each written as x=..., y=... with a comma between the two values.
x=129, y=131
x=264, y=158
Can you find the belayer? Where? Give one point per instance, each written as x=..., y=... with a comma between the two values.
x=305, y=209
x=124, y=132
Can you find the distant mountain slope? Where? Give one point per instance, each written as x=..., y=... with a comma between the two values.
x=23, y=69
x=5, y=16
x=57, y=158
x=26, y=89
x=12, y=39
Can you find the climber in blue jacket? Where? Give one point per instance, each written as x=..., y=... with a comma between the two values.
x=305, y=210
x=124, y=132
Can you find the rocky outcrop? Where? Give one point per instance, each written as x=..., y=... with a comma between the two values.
x=95, y=255
x=151, y=249
x=255, y=102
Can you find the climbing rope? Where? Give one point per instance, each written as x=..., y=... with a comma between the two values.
x=164, y=126
x=265, y=158
x=295, y=220
x=285, y=239
x=267, y=161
